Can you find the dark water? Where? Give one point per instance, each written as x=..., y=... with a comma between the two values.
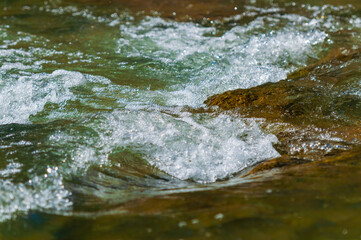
x=104, y=133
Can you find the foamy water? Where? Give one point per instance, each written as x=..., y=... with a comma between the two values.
x=209, y=65
x=171, y=65
x=29, y=94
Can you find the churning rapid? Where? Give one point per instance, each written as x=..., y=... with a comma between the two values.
x=107, y=104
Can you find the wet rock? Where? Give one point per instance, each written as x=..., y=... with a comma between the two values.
x=315, y=112
x=349, y=157
x=313, y=95
x=280, y=162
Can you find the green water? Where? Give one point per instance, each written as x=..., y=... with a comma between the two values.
x=104, y=133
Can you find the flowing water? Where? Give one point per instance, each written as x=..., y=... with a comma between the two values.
x=104, y=133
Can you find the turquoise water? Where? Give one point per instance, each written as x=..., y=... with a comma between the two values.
x=103, y=105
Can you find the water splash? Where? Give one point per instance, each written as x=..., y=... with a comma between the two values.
x=206, y=64
x=186, y=61
x=29, y=94
x=40, y=192
x=196, y=147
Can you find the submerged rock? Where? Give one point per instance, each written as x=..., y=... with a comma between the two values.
x=315, y=112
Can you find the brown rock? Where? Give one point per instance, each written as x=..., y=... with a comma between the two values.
x=314, y=112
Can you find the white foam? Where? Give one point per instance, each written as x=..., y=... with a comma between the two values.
x=84, y=154
x=11, y=169
x=210, y=65
x=28, y=94
x=197, y=147
x=17, y=66
x=40, y=192
x=356, y=22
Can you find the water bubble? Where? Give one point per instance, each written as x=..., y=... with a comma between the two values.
x=195, y=221
x=182, y=224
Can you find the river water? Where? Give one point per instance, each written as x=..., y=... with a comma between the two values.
x=103, y=129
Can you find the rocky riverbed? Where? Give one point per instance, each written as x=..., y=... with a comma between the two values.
x=180, y=119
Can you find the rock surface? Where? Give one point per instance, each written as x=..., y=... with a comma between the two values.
x=315, y=112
